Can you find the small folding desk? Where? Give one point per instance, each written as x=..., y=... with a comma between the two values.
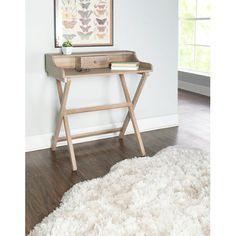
x=65, y=68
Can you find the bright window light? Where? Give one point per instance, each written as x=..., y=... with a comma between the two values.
x=194, y=35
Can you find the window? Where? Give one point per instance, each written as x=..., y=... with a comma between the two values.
x=194, y=35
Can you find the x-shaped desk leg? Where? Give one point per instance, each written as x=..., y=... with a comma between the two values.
x=131, y=114
x=63, y=117
x=135, y=100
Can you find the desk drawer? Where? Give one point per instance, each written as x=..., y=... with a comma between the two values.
x=92, y=62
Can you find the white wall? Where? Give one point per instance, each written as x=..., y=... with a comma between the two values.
x=147, y=27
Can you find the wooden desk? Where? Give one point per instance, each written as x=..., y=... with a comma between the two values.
x=64, y=68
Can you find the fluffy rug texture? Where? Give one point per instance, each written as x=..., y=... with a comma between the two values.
x=167, y=194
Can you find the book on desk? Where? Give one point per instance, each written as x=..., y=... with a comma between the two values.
x=125, y=65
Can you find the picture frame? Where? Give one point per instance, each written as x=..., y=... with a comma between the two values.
x=85, y=23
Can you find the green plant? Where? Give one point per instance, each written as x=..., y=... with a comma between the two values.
x=66, y=44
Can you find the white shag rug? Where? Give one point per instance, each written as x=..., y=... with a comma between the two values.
x=163, y=195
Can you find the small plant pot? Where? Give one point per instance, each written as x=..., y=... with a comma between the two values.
x=67, y=50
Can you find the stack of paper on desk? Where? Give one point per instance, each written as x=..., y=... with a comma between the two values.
x=124, y=65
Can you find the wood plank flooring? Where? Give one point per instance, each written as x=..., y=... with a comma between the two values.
x=48, y=174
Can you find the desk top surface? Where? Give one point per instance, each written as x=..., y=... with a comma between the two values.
x=73, y=73
x=66, y=66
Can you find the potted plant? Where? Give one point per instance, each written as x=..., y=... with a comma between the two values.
x=67, y=47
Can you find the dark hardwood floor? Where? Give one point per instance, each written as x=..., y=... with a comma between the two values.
x=49, y=176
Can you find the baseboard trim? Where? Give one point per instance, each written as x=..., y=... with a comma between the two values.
x=195, y=88
x=39, y=142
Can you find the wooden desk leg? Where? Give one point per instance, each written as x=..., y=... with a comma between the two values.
x=135, y=100
x=63, y=96
x=132, y=115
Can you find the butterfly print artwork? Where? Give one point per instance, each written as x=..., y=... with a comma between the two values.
x=85, y=28
x=85, y=35
x=69, y=36
x=85, y=21
x=85, y=14
x=101, y=36
x=100, y=6
x=85, y=5
x=101, y=28
x=69, y=24
x=101, y=22
x=100, y=12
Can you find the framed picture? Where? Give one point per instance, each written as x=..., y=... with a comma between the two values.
x=84, y=22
